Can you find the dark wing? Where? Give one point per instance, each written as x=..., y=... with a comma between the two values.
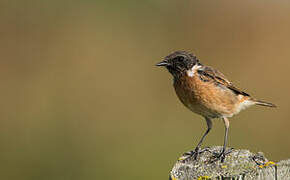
x=209, y=74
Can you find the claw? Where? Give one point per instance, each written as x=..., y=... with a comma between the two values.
x=221, y=156
x=193, y=153
x=199, y=151
x=196, y=153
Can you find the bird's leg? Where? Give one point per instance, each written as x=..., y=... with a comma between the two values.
x=222, y=155
x=197, y=149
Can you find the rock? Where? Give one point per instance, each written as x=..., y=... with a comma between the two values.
x=238, y=164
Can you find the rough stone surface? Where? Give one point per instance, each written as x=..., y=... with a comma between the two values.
x=239, y=164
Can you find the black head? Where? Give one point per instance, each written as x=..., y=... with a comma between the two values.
x=179, y=62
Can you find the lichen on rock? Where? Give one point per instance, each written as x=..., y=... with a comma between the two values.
x=238, y=164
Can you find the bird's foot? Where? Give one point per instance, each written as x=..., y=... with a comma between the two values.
x=193, y=153
x=221, y=156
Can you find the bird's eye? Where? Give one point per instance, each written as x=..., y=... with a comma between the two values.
x=180, y=58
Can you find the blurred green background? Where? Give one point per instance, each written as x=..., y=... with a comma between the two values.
x=81, y=98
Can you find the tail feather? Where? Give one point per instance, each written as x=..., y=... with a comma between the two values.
x=263, y=103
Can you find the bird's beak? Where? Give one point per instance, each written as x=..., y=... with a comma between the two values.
x=163, y=63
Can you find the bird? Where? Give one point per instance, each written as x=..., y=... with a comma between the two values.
x=207, y=92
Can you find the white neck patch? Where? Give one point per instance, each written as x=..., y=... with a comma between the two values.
x=193, y=70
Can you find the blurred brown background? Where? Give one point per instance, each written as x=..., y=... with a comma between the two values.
x=82, y=100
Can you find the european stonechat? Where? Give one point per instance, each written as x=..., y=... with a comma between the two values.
x=207, y=92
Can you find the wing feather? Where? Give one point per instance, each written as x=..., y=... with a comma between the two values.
x=210, y=74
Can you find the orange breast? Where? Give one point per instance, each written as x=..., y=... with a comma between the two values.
x=205, y=98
